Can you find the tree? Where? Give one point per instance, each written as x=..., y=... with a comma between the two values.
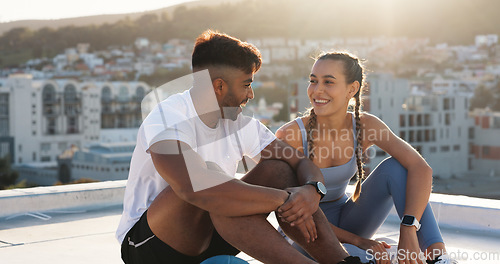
x=7, y=176
x=483, y=97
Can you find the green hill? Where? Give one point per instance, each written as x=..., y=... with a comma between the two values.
x=451, y=21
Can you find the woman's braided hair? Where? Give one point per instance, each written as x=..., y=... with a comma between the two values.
x=353, y=71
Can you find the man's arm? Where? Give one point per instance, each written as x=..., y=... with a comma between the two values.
x=305, y=168
x=175, y=161
x=304, y=200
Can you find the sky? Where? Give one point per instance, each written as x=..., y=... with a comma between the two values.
x=12, y=10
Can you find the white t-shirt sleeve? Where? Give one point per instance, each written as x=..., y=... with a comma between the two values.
x=255, y=137
x=168, y=124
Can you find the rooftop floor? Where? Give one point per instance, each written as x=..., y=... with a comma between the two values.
x=86, y=235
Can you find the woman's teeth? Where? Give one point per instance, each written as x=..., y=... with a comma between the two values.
x=320, y=101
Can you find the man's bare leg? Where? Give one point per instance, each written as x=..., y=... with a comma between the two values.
x=326, y=236
x=184, y=227
x=256, y=237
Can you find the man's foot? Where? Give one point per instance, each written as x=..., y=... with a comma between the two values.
x=354, y=260
x=443, y=259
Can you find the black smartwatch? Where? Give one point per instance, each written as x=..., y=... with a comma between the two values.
x=320, y=187
x=410, y=220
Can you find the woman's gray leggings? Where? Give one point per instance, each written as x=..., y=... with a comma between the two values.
x=384, y=187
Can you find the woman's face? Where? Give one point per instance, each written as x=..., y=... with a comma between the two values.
x=328, y=91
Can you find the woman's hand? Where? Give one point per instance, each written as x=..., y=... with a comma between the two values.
x=376, y=249
x=408, y=248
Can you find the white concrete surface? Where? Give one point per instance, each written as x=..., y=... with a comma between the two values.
x=40, y=199
x=453, y=211
x=76, y=224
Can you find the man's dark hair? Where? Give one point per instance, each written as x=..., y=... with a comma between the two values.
x=218, y=49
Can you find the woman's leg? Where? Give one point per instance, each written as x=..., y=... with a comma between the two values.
x=385, y=186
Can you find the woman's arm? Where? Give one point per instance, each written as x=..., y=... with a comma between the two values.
x=419, y=182
x=419, y=179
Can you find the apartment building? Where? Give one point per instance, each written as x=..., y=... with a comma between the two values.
x=436, y=122
x=485, y=148
x=40, y=119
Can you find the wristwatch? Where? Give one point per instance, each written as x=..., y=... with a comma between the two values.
x=320, y=187
x=410, y=220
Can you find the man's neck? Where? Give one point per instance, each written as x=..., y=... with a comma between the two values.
x=205, y=112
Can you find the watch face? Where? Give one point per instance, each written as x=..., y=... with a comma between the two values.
x=407, y=220
x=321, y=187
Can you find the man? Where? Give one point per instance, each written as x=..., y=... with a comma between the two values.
x=182, y=202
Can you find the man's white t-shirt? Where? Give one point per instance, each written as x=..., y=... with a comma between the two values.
x=176, y=119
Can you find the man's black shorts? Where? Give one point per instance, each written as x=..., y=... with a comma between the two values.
x=140, y=245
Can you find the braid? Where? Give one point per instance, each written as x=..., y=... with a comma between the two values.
x=354, y=72
x=359, y=148
x=311, y=125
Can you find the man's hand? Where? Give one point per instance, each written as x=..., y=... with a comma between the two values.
x=302, y=203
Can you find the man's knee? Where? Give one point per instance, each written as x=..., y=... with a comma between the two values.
x=272, y=173
x=278, y=167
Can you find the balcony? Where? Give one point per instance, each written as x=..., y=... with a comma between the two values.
x=51, y=111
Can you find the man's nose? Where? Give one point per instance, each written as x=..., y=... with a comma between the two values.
x=250, y=94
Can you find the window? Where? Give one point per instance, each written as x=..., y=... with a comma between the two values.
x=427, y=120
x=412, y=136
x=4, y=127
x=447, y=119
x=45, y=158
x=380, y=153
x=486, y=150
x=456, y=148
x=471, y=132
x=419, y=120
x=34, y=156
x=412, y=120
x=446, y=104
x=4, y=149
x=45, y=146
x=445, y=148
x=433, y=149
x=402, y=135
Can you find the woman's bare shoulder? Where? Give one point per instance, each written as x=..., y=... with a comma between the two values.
x=290, y=133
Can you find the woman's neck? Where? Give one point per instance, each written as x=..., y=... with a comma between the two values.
x=332, y=122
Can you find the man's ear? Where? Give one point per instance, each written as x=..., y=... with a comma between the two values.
x=218, y=84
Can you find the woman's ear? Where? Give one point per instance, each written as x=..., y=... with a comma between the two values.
x=353, y=89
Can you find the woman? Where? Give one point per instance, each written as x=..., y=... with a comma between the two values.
x=334, y=139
